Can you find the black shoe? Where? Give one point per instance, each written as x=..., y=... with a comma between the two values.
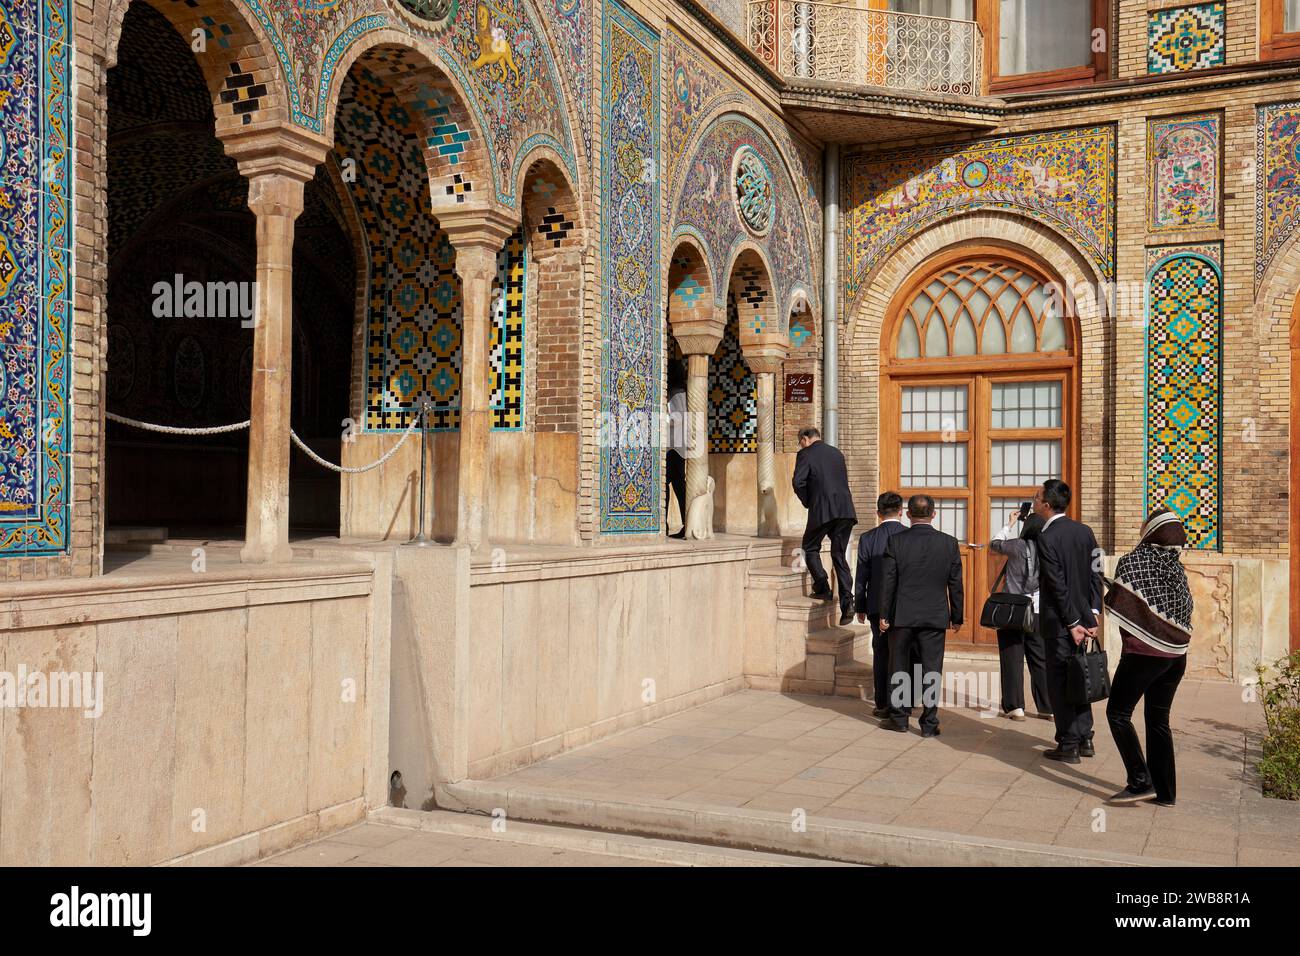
x=1164, y=803
x=1130, y=795
x=680, y=536
x=880, y=712
x=846, y=618
x=1086, y=749
x=897, y=728
x=930, y=733
x=1065, y=756
x=821, y=595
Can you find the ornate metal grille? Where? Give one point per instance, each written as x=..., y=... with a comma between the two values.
x=849, y=44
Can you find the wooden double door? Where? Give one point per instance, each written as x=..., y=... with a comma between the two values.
x=980, y=442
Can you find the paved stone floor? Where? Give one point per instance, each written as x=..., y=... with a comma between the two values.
x=982, y=777
x=442, y=839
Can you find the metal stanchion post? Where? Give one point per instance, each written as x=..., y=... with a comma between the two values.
x=421, y=540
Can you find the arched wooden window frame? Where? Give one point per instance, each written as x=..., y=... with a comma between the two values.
x=896, y=373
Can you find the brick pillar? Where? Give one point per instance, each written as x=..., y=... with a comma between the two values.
x=1293, y=500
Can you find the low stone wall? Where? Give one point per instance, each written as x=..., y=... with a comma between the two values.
x=506, y=662
x=532, y=493
x=243, y=710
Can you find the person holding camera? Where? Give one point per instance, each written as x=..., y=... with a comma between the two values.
x=1017, y=646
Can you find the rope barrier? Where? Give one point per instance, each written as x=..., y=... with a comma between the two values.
x=172, y=430
x=363, y=468
x=221, y=429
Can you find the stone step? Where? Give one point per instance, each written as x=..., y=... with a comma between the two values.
x=134, y=534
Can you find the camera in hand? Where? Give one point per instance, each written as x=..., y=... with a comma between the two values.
x=1025, y=508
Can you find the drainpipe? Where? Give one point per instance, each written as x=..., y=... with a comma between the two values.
x=830, y=296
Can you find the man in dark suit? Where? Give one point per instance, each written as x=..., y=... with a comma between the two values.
x=921, y=595
x=1069, y=597
x=868, y=582
x=822, y=483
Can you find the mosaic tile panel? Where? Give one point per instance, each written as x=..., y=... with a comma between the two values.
x=507, y=353
x=630, y=488
x=1277, y=195
x=413, y=346
x=733, y=393
x=1065, y=180
x=1185, y=173
x=35, y=276
x=1183, y=382
x=1187, y=38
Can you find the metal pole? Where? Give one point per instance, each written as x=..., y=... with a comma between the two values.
x=830, y=296
x=421, y=540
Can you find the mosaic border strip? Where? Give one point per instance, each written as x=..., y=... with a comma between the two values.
x=1184, y=419
x=631, y=491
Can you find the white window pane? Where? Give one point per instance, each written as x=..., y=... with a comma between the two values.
x=935, y=408
x=994, y=340
x=909, y=344
x=933, y=464
x=1023, y=336
x=1031, y=405
x=963, y=337
x=1053, y=334
x=936, y=338
x=949, y=305
x=1039, y=35
x=1292, y=21
x=1024, y=462
x=950, y=518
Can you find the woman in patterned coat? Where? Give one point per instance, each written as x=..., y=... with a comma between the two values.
x=1150, y=601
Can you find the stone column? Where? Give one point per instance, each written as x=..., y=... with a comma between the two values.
x=277, y=163
x=765, y=362
x=276, y=198
x=478, y=235
x=698, y=339
x=697, y=413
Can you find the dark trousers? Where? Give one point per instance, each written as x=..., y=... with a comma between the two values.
x=839, y=531
x=675, y=467
x=881, y=666
x=1015, y=648
x=1073, y=724
x=1156, y=679
x=911, y=682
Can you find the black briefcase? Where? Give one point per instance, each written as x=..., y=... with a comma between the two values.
x=1087, y=677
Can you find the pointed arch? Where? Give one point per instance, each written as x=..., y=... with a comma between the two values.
x=455, y=152
x=239, y=65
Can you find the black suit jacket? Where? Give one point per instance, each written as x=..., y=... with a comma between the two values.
x=870, y=578
x=822, y=483
x=1069, y=577
x=922, y=579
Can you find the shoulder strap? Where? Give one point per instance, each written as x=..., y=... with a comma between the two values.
x=997, y=582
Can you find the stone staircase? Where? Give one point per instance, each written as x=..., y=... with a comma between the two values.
x=813, y=654
x=811, y=647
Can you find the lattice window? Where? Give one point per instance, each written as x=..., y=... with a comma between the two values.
x=982, y=307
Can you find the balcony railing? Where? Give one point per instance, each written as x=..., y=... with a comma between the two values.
x=849, y=44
